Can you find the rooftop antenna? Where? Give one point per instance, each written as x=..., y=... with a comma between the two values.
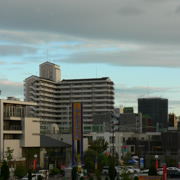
x=47, y=56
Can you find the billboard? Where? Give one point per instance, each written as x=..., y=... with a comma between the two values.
x=77, y=120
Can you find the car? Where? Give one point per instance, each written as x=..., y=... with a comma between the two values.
x=120, y=169
x=142, y=173
x=173, y=168
x=105, y=170
x=44, y=173
x=136, y=170
x=173, y=173
x=130, y=169
x=160, y=171
x=40, y=174
x=26, y=177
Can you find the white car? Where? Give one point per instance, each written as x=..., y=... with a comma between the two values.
x=136, y=170
x=105, y=170
x=173, y=168
x=130, y=169
x=40, y=174
x=160, y=171
x=142, y=173
x=26, y=177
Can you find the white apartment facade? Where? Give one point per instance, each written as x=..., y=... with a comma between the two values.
x=18, y=130
x=54, y=96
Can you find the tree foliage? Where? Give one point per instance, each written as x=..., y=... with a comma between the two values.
x=20, y=171
x=5, y=170
x=112, y=171
x=102, y=161
x=30, y=174
x=74, y=173
x=9, y=154
x=99, y=145
x=126, y=158
x=152, y=171
x=89, y=159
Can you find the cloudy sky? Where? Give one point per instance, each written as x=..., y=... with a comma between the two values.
x=134, y=42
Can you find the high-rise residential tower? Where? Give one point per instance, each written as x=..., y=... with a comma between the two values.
x=157, y=109
x=55, y=96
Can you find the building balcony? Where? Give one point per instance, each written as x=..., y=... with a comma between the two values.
x=12, y=128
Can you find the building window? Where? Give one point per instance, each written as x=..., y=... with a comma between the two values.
x=132, y=149
x=112, y=139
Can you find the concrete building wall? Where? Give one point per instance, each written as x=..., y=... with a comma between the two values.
x=31, y=131
x=13, y=144
x=50, y=71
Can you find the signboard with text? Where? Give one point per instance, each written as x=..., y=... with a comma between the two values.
x=77, y=118
x=149, y=177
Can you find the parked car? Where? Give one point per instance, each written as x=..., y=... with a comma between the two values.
x=173, y=173
x=105, y=170
x=40, y=174
x=173, y=168
x=160, y=171
x=136, y=170
x=26, y=177
x=130, y=169
x=142, y=173
x=120, y=169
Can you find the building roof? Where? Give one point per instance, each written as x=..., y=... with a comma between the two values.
x=46, y=141
x=90, y=79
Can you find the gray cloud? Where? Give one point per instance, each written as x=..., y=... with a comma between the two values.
x=130, y=11
x=14, y=50
x=177, y=11
x=94, y=19
x=11, y=88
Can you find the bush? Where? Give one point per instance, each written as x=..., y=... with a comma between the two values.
x=91, y=178
x=152, y=171
x=20, y=171
x=106, y=178
x=136, y=178
x=55, y=171
x=39, y=177
x=30, y=175
x=5, y=170
x=73, y=173
x=98, y=174
x=81, y=178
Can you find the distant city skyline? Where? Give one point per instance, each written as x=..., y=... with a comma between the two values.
x=133, y=42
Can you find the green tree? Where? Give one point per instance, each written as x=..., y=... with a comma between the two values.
x=74, y=173
x=89, y=159
x=9, y=154
x=126, y=158
x=20, y=171
x=98, y=174
x=152, y=171
x=30, y=174
x=89, y=164
x=102, y=161
x=112, y=171
x=99, y=145
x=5, y=170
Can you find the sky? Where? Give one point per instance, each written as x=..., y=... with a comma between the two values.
x=136, y=43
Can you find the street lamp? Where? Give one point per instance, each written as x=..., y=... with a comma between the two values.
x=113, y=125
x=156, y=157
x=35, y=161
x=46, y=162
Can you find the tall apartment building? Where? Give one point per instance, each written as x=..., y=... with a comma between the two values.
x=157, y=109
x=55, y=96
